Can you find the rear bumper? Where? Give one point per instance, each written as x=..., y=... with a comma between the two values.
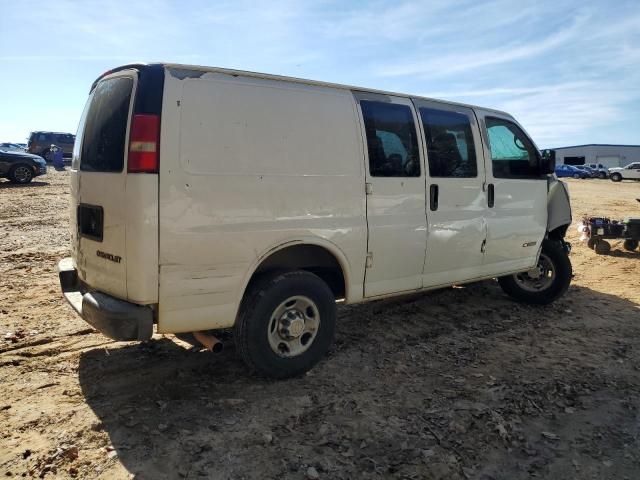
x=114, y=318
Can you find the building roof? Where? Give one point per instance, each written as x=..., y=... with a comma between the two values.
x=596, y=145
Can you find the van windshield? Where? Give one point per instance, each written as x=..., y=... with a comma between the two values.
x=105, y=127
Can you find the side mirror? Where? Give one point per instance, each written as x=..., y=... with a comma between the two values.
x=548, y=161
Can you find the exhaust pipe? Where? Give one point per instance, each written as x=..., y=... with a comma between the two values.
x=209, y=342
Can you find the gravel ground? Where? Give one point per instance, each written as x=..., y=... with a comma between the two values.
x=460, y=383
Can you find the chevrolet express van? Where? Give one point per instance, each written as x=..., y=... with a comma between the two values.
x=207, y=199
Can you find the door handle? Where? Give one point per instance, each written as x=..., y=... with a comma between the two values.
x=433, y=197
x=491, y=195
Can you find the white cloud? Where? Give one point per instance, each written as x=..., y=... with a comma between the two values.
x=471, y=58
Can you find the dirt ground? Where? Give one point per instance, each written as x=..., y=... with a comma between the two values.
x=460, y=383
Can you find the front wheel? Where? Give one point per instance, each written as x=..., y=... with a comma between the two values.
x=286, y=324
x=602, y=175
x=616, y=177
x=544, y=283
x=21, y=174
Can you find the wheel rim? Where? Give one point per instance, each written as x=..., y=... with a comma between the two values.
x=539, y=278
x=22, y=174
x=293, y=326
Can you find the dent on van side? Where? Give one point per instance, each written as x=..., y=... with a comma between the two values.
x=248, y=201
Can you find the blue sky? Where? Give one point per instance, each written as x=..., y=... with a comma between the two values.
x=569, y=71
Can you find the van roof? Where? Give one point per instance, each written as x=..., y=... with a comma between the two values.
x=229, y=71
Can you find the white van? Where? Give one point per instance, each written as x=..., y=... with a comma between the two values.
x=206, y=199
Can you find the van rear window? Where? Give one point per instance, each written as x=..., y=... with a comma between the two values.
x=105, y=129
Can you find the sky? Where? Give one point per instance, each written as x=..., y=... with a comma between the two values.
x=569, y=71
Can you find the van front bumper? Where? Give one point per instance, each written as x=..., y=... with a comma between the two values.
x=114, y=318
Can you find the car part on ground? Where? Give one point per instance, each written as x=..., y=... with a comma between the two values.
x=597, y=230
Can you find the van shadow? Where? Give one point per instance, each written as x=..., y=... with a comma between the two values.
x=173, y=413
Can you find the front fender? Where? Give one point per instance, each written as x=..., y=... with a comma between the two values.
x=558, y=205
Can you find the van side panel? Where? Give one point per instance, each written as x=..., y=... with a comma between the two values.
x=247, y=166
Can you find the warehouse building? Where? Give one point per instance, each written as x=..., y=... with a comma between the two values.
x=608, y=155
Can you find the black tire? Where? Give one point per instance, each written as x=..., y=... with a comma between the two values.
x=21, y=174
x=630, y=244
x=591, y=243
x=257, y=323
x=576, y=175
x=602, y=247
x=554, y=252
x=616, y=177
x=602, y=175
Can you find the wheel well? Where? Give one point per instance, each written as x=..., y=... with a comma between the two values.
x=312, y=258
x=559, y=232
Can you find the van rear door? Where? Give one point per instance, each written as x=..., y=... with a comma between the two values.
x=114, y=210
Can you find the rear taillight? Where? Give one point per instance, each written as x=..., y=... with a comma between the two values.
x=144, y=144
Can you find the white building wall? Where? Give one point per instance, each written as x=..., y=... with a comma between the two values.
x=608, y=155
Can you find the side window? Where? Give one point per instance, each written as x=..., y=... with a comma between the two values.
x=450, y=148
x=42, y=137
x=512, y=153
x=392, y=142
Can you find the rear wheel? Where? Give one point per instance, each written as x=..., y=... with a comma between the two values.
x=576, y=175
x=21, y=174
x=602, y=175
x=591, y=243
x=630, y=244
x=616, y=177
x=545, y=282
x=286, y=324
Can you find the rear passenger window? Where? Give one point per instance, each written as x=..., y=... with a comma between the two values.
x=450, y=148
x=391, y=140
x=106, y=126
x=512, y=153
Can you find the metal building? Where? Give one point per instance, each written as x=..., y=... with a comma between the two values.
x=607, y=155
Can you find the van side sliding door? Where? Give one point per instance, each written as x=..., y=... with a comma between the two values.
x=395, y=194
x=516, y=195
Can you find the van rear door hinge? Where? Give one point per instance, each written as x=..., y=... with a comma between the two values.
x=368, y=188
x=369, y=261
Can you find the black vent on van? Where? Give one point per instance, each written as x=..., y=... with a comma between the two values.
x=90, y=221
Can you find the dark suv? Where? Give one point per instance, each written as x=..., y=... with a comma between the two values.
x=40, y=143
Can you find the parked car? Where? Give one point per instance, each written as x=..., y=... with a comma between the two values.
x=571, y=171
x=630, y=172
x=21, y=167
x=40, y=144
x=11, y=147
x=592, y=173
x=602, y=171
x=263, y=199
